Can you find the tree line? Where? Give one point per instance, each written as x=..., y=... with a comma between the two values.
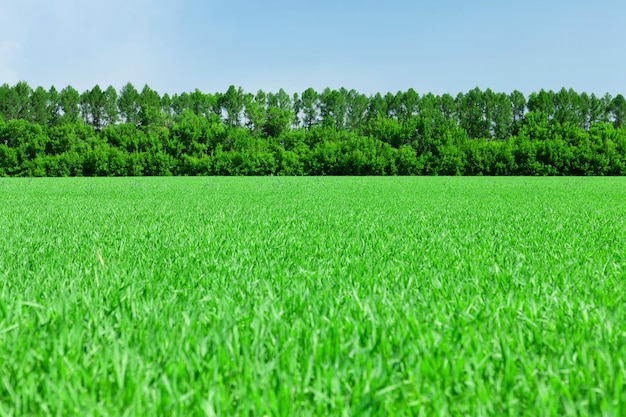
x=103, y=132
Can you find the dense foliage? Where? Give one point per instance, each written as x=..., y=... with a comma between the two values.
x=312, y=296
x=335, y=132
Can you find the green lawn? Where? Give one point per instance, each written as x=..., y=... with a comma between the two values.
x=313, y=296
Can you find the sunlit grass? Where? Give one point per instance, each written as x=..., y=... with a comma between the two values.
x=313, y=296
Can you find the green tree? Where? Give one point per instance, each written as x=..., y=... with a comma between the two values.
x=583, y=111
x=54, y=106
x=617, y=110
x=128, y=104
x=232, y=103
x=393, y=104
x=332, y=108
x=518, y=110
x=69, y=137
x=296, y=108
x=149, y=108
x=565, y=103
x=205, y=104
x=22, y=104
x=194, y=133
x=8, y=102
x=536, y=126
x=182, y=102
x=597, y=110
x=93, y=107
x=502, y=116
x=39, y=106
x=29, y=140
x=279, y=115
x=9, y=164
x=310, y=108
x=471, y=107
x=255, y=111
x=70, y=104
x=356, y=111
x=166, y=108
x=110, y=110
x=387, y=130
x=541, y=102
x=410, y=103
x=407, y=161
x=377, y=107
x=447, y=106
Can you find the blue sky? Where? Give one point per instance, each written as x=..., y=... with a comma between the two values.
x=439, y=46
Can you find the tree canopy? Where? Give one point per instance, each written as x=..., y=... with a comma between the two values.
x=105, y=132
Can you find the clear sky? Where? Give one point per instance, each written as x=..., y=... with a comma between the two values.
x=438, y=46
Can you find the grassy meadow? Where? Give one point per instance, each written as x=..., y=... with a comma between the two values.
x=327, y=296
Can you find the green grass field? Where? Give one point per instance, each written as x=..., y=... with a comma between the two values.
x=313, y=296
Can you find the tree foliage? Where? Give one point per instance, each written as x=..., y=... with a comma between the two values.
x=333, y=132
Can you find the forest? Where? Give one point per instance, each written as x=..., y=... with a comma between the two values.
x=131, y=132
